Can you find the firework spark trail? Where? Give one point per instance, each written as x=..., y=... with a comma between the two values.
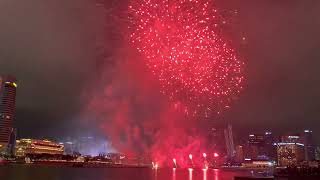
x=181, y=44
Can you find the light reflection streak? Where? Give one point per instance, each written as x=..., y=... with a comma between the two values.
x=205, y=174
x=190, y=173
x=216, y=174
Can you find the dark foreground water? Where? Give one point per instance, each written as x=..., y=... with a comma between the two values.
x=32, y=172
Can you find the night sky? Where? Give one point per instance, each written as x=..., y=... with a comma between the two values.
x=50, y=46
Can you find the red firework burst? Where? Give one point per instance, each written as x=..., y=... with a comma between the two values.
x=181, y=44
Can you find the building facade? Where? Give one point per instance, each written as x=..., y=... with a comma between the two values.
x=217, y=141
x=292, y=138
x=309, y=145
x=256, y=147
x=317, y=154
x=8, y=87
x=229, y=142
x=239, y=156
x=290, y=154
x=34, y=146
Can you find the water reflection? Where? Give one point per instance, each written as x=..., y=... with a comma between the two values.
x=205, y=174
x=53, y=173
x=155, y=174
x=216, y=174
x=190, y=173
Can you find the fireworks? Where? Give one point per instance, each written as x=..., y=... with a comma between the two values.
x=204, y=155
x=216, y=155
x=174, y=161
x=182, y=45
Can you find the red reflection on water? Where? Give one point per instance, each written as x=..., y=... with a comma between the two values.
x=205, y=174
x=155, y=173
x=216, y=174
x=190, y=173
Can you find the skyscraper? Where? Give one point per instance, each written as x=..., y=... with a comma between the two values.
x=216, y=138
x=239, y=156
x=255, y=147
x=229, y=142
x=271, y=149
x=8, y=86
x=309, y=146
x=261, y=147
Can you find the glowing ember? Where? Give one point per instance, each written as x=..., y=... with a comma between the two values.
x=204, y=155
x=182, y=45
x=216, y=155
x=155, y=165
x=174, y=161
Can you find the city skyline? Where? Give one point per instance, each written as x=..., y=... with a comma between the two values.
x=259, y=144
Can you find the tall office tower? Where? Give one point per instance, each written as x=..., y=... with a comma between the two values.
x=229, y=141
x=271, y=149
x=309, y=146
x=268, y=138
x=216, y=140
x=255, y=148
x=261, y=147
x=8, y=86
x=239, y=155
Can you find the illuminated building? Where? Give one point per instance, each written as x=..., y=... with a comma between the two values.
x=290, y=153
x=239, y=154
x=309, y=145
x=291, y=138
x=33, y=146
x=229, y=141
x=217, y=139
x=260, y=147
x=12, y=142
x=317, y=154
x=8, y=86
x=255, y=147
x=271, y=149
x=256, y=139
x=257, y=164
